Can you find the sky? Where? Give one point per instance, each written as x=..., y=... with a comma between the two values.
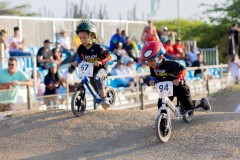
x=120, y=9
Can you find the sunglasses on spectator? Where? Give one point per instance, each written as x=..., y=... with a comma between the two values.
x=10, y=64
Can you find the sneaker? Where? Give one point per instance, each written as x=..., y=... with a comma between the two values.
x=182, y=111
x=105, y=103
x=205, y=104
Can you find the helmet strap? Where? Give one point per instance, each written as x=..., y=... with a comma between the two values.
x=90, y=40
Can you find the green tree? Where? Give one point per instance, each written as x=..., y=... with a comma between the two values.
x=225, y=12
x=19, y=10
x=207, y=35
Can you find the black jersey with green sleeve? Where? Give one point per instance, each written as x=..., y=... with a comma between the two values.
x=95, y=53
x=167, y=71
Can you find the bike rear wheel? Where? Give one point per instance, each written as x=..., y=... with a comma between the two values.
x=163, y=133
x=78, y=103
x=111, y=95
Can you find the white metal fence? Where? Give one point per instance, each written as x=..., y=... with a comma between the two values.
x=35, y=30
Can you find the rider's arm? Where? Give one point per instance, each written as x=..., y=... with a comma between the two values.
x=78, y=59
x=153, y=78
x=182, y=74
x=107, y=59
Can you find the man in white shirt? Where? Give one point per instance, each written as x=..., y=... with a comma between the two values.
x=65, y=42
x=16, y=44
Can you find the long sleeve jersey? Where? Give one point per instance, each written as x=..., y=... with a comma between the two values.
x=95, y=53
x=168, y=71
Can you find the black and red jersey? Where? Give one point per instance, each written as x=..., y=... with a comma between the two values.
x=95, y=53
x=167, y=71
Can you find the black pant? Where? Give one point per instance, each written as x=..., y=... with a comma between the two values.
x=182, y=92
x=99, y=79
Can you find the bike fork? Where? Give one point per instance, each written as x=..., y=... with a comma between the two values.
x=164, y=109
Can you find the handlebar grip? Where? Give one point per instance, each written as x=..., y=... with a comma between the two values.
x=154, y=79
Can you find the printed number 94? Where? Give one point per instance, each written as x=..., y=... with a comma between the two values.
x=161, y=87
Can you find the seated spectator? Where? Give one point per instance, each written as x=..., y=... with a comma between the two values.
x=71, y=78
x=201, y=72
x=65, y=42
x=57, y=53
x=52, y=82
x=164, y=34
x=187, y=61
x=119, y=51
x=44, y=55
x=178, y=49
x=17, y=44
x=169, y=50
x=192, y=54
x=115, y=39
x=76, y=42
x=11, y=78
x=3, y=39
x=124, y=35
x=120, y=70
x=129, y=46
x=144, y=69
x=149, y=33
x=131, y=69
x=199, y=63
x=4, y=48
x=233, y=68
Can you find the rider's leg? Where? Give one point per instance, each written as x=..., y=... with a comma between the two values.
x=203, y=103
x=99, y=79
x=182, y=92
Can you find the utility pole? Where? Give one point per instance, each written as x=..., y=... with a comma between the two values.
x=66, y=8
x=178, y=15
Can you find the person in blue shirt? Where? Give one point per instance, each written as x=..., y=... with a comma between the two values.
x=115, y=39
x=52, y=82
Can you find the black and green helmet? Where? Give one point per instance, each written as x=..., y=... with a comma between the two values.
x=86, y=25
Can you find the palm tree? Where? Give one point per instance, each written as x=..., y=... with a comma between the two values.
x=19, y=10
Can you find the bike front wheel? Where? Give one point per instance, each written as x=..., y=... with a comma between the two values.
x=162, y=131
x=78, y=103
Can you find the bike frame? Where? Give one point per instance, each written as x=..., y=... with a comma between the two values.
x=166, y=105
x=86, y=82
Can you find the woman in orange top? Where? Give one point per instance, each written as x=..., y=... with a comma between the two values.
x=169, y=50
x=149, y=33
x=178, y=49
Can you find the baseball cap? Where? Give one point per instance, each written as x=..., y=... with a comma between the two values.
x=58, y=41
x=165, y=28
x=47, y=41
x=178, y=39
x=52, y=65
